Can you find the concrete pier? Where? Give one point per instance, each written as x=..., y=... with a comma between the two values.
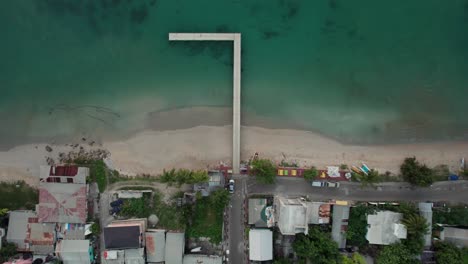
x=236, y=106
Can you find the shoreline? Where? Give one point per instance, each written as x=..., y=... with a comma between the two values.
x=202, y=147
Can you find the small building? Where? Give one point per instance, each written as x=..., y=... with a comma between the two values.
x=175, y=244
x=41, y=237
x=63, y=174
x=17, y=228
x=113, y=257
x=340, y=224
x=292, y=216
x=425, y=210
x=74, y=251
x=202, y=259
x=257, y=215
x=456, y=236
x=319, y=213
x=216, y=181
x=260, y=245
x=135, y=256
x=385, y=228
x=155, y=245
x=122, y=237
x=62, y=203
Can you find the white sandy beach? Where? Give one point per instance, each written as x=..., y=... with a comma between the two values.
x=206, y=146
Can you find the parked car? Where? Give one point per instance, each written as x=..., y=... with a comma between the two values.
x=231, y=186
x=319, y=184
x=117, y=202
x=333, y=184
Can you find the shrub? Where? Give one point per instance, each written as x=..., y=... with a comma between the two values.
x=415, y=173
x=310, y=174
x=264, y=170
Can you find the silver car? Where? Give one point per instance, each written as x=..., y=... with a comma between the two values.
x=231, y=186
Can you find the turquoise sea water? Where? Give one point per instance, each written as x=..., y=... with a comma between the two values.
x=362, y=71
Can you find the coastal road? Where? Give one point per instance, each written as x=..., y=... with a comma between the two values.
x=454, y=191
x=236, y=221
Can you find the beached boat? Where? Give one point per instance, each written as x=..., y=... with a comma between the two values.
x=356, y=169
x=365, y=169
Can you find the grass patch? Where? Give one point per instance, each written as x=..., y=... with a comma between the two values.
x=136, y=188
x=97, y=171
x=170, y=216
x=451, y=216
x=207, y=219
x=18, y=195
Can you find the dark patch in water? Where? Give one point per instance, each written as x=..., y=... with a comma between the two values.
x=269, y=34
x=152, y=2
x=333, y=4
x=352, y=33
x=291, y=7
x=139, y=15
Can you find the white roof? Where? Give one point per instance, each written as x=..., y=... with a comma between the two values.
x=425, y=210
x=17, y=227
x=260, y=244
x=174, y=250
x=155, y=245
x=457, y=236
x=385, y=228
x=292, y=216
x=73, y=251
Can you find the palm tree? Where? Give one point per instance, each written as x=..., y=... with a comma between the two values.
x=416, y=224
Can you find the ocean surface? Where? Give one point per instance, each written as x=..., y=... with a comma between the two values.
x=363, y=71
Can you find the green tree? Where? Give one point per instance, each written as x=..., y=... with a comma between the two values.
x=415, y=173
x=264, y=170
x=447, y=253
x=370, y=179
x=395, y=254
x=416, y=224
x=357, y=225
x=135, y=207
x=317, y=246
x=310, y=174
x=3, y=211
x=356, y=258
x=7, y=251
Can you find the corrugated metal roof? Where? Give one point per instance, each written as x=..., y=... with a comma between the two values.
x=260, y=244
x=155, y=245
x=425, y=210
x=18, y=226
x=340, y=224
x=175, y=243
x=73, y=251
x=383, y=226
x=256, y=208
x=62, y=203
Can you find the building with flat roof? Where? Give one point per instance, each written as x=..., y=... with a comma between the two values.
x=340, y=224
x=292, y=216
x=425, y=210
x=257, y=215
x=122, y=237
x=260, y=245
x=175, y=244
x=17, y=228
x=202, y=259
x=155, y=245
x=41, y=237
x=385, y=228
x=74, y=251
x=456, y=236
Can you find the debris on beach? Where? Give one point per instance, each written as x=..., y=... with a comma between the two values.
x=48, y=148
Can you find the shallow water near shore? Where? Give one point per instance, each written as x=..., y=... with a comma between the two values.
x=363, y=72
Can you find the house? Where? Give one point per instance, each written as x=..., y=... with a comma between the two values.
x=216, y=181
x=257, y=214
x=113, y=257
x=74, y=251
x=122, y=237
x=41, y=237
x=202, y=259
x=456, y=236
x=340, y=224
x=155, y=245
x=260, y=245
x=135, y=256
x=62, y=203
x=63, y=174
x=425, y=210
x=385, y=228
x=294, y=215
x=175, y=244
x=17, y=228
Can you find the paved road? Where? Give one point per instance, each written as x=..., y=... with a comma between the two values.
x=455, y=191
x=236, y=223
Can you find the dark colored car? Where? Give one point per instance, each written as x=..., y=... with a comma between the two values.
x=117, y=202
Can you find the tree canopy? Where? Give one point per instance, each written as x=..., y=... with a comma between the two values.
x=356, y=258
x=395, y=254
x=183, y=176
x=447, y=253
x=357, y=225
x=310, y=174
x=8, y=250
x=416, y=173
x=264, y=170
x=317, y=246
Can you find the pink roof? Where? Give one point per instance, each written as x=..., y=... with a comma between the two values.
x=62, y=203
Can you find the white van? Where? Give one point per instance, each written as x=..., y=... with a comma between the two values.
x=333, y=184
x=318, y=184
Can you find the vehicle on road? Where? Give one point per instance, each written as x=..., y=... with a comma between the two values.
x=318, y=184
x=333, y=184
x=231, y=186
